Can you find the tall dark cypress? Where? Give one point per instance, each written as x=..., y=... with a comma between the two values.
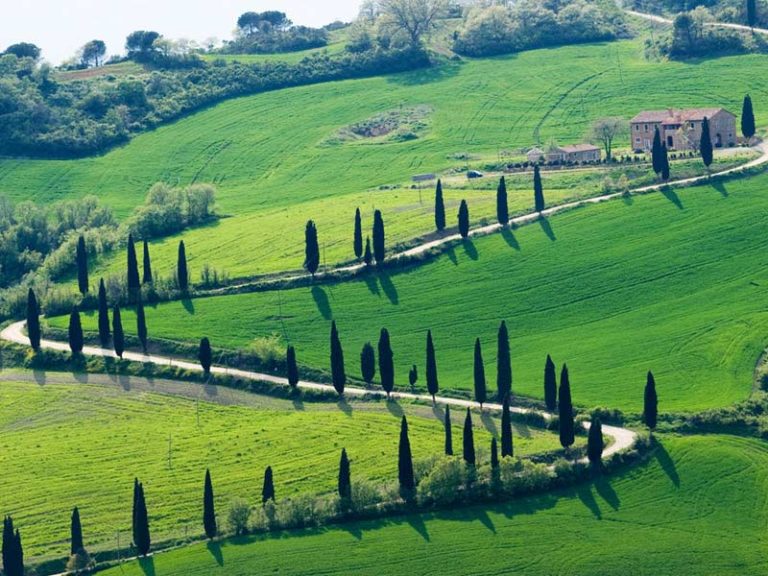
x=81, y=258
x=405, y=462
x=664, y=163
x=494, y=453
x=656, y=159
x=209, y=511
x=751, y=13
x=338, y=374
x=538, y=190
x=133, y=267
x=76, y=533
x=357, y=242
x=182, y=272
x=386, y=362
x=9, y=547
x=705, y=145
x=268, y=489
x=292, y=367
x=502, y=205
x=464, y=219
x=141, y=323
x=118, y=337
x=104, y=332
x=18, y=552
x=311, y=248
x=33, y=320
x=134, y=524
x=650, y=402
x=142, y=540
x=379, y=243
x=595, y=442
x=448, y=432
x=75, y=332
x=747, y=115
x=147, y=279
x=432, y=383
x=439, y=207
x=413, y=375
x=368, y=363
x=507, y=447
x=550, y=384
x=567, y=426
x=368, y=254
x=469, y=440
x=480, y=387
x=345, y=479
x=205, y=355
x=503, y=364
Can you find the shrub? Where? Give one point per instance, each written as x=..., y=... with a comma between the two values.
x=238, y=515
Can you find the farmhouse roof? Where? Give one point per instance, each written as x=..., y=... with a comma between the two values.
x=578, y=148
x=676, y=116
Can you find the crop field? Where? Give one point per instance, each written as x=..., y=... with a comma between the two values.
x=699, y=507
x=68, y=442
x=668, y=282
x=268, y=157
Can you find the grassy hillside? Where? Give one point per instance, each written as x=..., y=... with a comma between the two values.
x=68, y=443
x=698, y=508
x=269, y=157
x=668, y=282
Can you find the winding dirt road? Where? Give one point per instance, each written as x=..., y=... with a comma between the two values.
x=661, y=20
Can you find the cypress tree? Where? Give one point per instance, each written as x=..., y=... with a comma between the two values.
x=182, y=272
x=76, y=533
x=503, y=364
x=345, y=480
x=432, y=383
x=134, y=524
x=33, y=320
x=81, y=258
x=142, y=540
x=405, y=462
x=538, y=190
x=502, y=206
x=338, y=375
x=656, y=160
x=292, y=367
x=357, y=242
x=18, y=550
x=664, y=163
x=550, y=384
x=368, y=363
x=311, y=248
x=567, y=430
x=75, y=332
x=268, y=490
x=650, y=402
x=747, y=114
x=464, y=219
x=205, y=355
x=368, y=255
x=379, y=250
x=480, y=389
x=494, y=454
x=141, y=324
x=507, y=447
x=118, y=338
x=751, y=14
x=469, y=440
x=147, y=279
x=209, y=512
x=104, y=333
x=386, y=363
x=9, y=547
x=705, y=146
x=413, y=375
x=448, y=432
x=595, y=442
x=439, y=208
x=133, y=267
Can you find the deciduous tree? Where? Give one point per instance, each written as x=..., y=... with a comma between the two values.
x=209, y=510
x=33, y=320
x=414, y=18
x=439, y=207
x=432, y=383
x=605, y=131
x=469, y=440
x=481, y=393
x=567, y=426
x=502, y=205
x=92, y=54
x=311, y=248
x=386, y=363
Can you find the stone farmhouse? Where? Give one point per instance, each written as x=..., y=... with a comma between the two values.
x=681, y=129
x=575, y=153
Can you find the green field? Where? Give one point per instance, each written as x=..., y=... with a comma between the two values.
x=698, y=508
x=668, y=282
x=67, y=443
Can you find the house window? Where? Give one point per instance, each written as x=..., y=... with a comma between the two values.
x=646, y=127
x=690, y=125
x=637, y=127
x=637, y=139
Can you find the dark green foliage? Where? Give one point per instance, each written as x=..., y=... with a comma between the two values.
x=705, y=145
x=311, y=248
x=567, y=424
x=439, y=207
x=469, y=440
x=595, y=443
x=338, y=374
x=481, y=393
x=81, y=259
x=368, y=255
x=503, y=364
x=368, y=363
x=141, y=536
x=292, y=367
x=76, y=533
x=502, y=205
x=507, y=447
x=538, y=190
x=12, y=550
x=379, y=249
x=751, y=17
x=209, y=511
x=358, y=237
x=24, y=50
x=182, y=272
x=432, y=383
x=664, y=163
x=118, y=337
x=268, y=489
x=205, y=355
x=33, y=320
x=386, y=363
x=550, y=384
x=104, y=332
x=464, y=219
x=75, y=332
x=448, y=431
x=141, y=324
x=656, y=152
x=494, y=453
x=147, y=279
x=650, y=402
x=747, y=114
x=405, y=474
x=133, y=267
x=413, y=375
x=345, y=480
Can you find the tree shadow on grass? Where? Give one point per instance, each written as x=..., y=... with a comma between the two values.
x=470, y=248
x=547, y=227
x=389, y=288
x=344, y=406
x=607, y=493
x=628, y=199
x=189, y=305
x=667, y=464
x=394, y=408
x=719, y=185
x=215, y=549
x=39, y=376
x=672, y=196
x=425, y=75
x=417, y=523
x=438, y=411
x=373, y=285
x=147, y=565
x=489, y=423
x=584, y=492
x=322, y=302
x=509, y=238
x=450, y=251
